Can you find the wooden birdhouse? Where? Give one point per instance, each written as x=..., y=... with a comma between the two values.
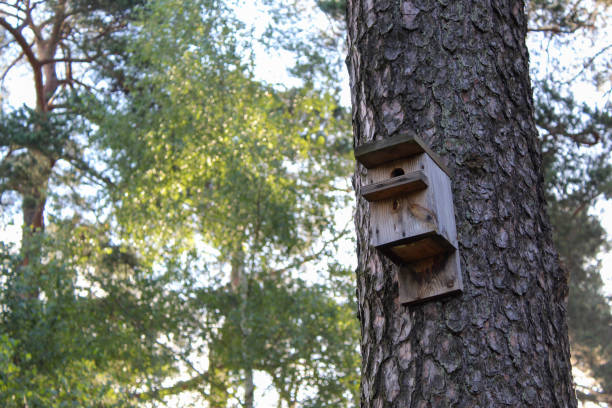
x=412, y=219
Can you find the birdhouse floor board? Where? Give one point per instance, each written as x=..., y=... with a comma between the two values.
x=394, y=186
x=414, y=251
x=409, y=250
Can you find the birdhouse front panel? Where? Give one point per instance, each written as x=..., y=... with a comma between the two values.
x=413, y=213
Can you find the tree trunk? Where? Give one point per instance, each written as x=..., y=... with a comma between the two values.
x=240, y=286
x=456, y=73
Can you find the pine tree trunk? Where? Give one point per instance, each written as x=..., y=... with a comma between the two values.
x=456, y=72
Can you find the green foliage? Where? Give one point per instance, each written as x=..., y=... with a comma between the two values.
x=84, y=326
x=565, y=17
x=335, y=8
x=304, y=30
x=213, y=193
x=250, y=171
x=28, y=128
x=297, y=333
x=244, y=158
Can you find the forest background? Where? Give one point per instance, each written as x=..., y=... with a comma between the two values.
x=184, y=232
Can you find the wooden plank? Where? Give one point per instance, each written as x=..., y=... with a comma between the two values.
x=415, y=248
x=440, y=275
x=395, y=186
x=385, y=171
x=415, y=213
x=430, y=279
x=423, y=247
x=441, y=200
x=402, y=217
x=397, y=147
x=375, y=153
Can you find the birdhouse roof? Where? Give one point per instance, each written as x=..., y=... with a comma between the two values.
x=400, y=146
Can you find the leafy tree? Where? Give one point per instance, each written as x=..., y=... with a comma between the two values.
x=250, y=171
x=183, y=200
x=68, y=342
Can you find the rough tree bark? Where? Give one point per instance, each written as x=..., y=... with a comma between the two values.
x=456, y=72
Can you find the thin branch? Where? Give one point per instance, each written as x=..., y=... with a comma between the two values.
x=555, y=29
x=68, y=59
x=15, y=6
x=585, y=203
x=589, y=62
x=60, y=17
x=25, y=47
x=68, y=65
x=314, y=256
x=180, y=356
x=578, y=137
x=587, y=394
x=178, y=387
x=551, y=29
x=83, y=166
x=30, y=21
x=10, y=66
x=27, y=50
x=72, y=81
x=8, y=14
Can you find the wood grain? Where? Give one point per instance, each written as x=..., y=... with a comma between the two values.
x=400, y=146
x=415, y=228
x=395, y=186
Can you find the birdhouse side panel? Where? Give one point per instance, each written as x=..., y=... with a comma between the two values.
x=441, y=200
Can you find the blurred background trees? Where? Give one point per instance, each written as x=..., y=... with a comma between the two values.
x=180, y=234
x=179, y=214
x=571, y=65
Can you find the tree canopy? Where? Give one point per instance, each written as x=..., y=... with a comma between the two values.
x=183, y=199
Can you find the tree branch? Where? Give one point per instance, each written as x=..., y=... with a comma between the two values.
x=578, y=137
x=67, y=59
x=589, y=62
x=312, y=257
x=72, y=81
x=60, y=17
x=558, y=30
x=8, y=14
x=83, y=166
x=180, y=386
x=34, y=63
x=10, y=66
x=586, y=394
x=30, y=21
x=15, y=6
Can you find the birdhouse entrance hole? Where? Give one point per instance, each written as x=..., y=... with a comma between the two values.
x=397, y=172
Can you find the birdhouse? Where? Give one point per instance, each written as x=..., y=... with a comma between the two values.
x=412, y=219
